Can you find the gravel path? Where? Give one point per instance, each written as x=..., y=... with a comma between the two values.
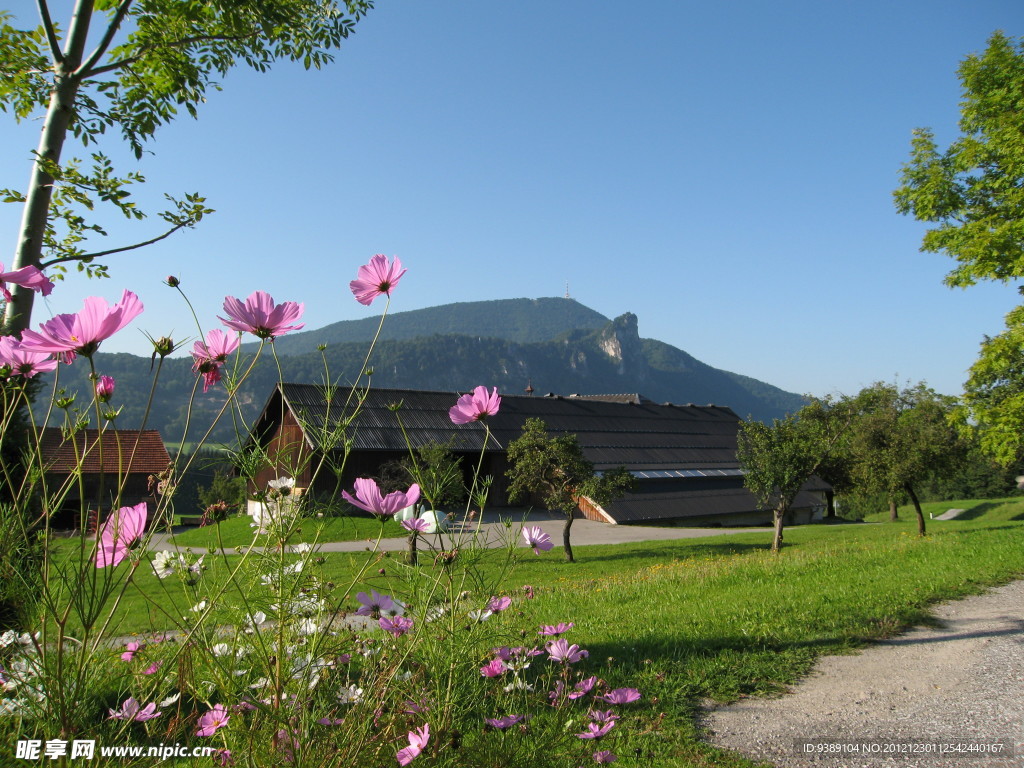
x=930, y=689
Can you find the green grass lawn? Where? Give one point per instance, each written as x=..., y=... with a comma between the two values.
x=700, y=619
x=238, y=532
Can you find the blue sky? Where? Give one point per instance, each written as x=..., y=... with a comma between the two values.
x=722, y=170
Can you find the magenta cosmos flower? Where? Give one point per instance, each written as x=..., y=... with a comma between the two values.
x=260, y=316
x=417, y=741
x=493, y=668
x=22, y=361
x=559, y=650
x=621, y=696
x=476, y=406
x=501, y=723
x=368, y=497
x=210, y=355
x=397, y=625
x=376, y=278
x=81, y=333
x=119, y=532
x=212, y=721
x=376, y=604
x=131, y=710
x=536, y=538
x=28, y=277
x=595, y=731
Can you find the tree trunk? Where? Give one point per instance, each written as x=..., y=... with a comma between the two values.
x=779, y=516
x=893, y=514
x=917, y=508
x=411, y=558
x=566, y=545
x=830, y=505
x=36, y=212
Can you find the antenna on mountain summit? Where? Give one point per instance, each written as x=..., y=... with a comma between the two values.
x=567, y=289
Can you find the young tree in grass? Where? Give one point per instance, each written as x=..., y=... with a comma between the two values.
x=777, y=459
x=556, y=469
x=901, y=437
x=129, y=66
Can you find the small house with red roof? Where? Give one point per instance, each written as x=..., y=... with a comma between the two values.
x=90, y=470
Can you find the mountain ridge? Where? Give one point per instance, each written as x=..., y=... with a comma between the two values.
x=601, y=358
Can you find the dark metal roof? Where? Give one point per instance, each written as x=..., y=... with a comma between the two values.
x=638, y=435
x=680, y=500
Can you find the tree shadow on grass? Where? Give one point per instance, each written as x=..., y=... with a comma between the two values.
x=978, y=511
x=666, y=553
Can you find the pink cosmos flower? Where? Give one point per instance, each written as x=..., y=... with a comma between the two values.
x=621, y=696
x=493, y=668
x=105, y=388
x=475, y=407
x=212, y=721
x=397, y=625
x=556, y=629
x=595, y=731
x=604, y=756
x=131, y=648
x=559, y=650
x=153, y=668
x=81, y=333
x=536, y=538
x=417, y=524
x=223, y=757
x=368, y=498
x=501, y=723
x=599, y=716
x=23, y=361
x=210, y=355
x=28, y=277
x=261, y=317
x=119, y=532
x=499, y=604
x=417, y=741
x=376, y=278
x=130, y=710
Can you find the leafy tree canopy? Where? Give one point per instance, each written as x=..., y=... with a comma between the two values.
x=556, y=469
x=130, y=66
x=974, y=190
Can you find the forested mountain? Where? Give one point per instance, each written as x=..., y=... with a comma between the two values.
x=508, y=344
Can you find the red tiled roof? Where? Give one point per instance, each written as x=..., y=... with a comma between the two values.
x=124, y=451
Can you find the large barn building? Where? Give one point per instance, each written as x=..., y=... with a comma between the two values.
x=682, y=457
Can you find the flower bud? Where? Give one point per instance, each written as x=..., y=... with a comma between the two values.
x=172, y=281
x=163, y=346
x=105, y=388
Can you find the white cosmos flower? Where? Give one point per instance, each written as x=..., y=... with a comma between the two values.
x=253, y=622
x=307, y=627
x=221, y=649
x=350, y=695
x=199, y=607
x=164, y=563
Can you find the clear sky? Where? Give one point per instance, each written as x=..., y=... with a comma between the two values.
x=722, y=170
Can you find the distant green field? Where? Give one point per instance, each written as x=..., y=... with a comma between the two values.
x=989, y=510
